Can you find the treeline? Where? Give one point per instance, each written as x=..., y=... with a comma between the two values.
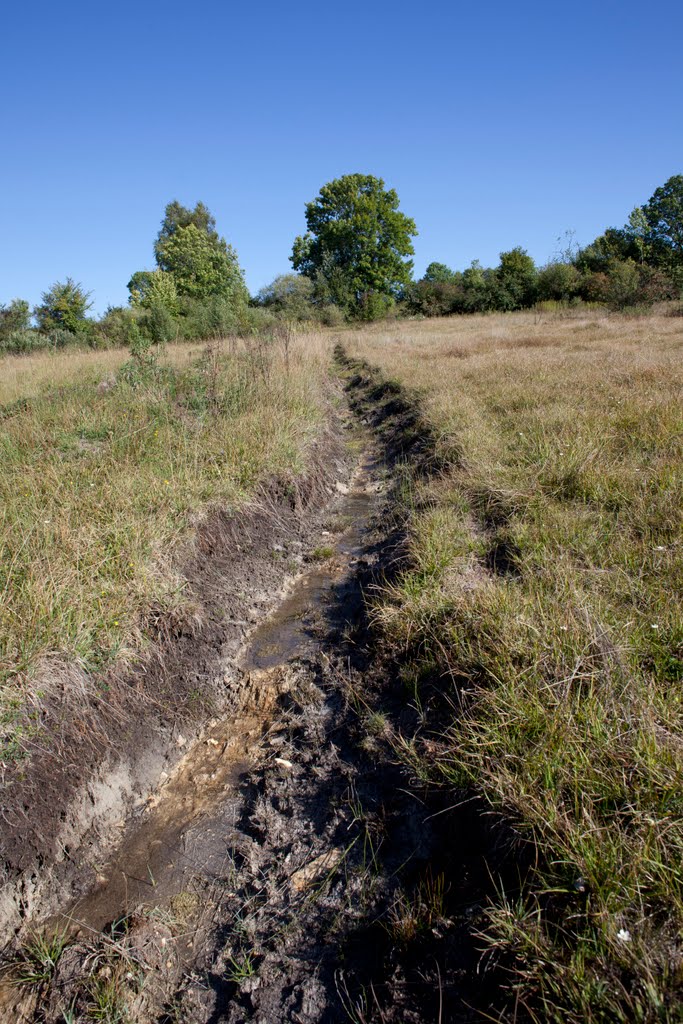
x=627, y=267
x=353, y=263
x=196, y=290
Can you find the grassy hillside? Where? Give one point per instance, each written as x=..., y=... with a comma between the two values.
x=106, y=464
x=544, y=589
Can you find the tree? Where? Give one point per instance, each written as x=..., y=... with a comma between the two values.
x=64, y=306
x=201, y=265
x=558, y=281
x=664, y=215
x=177, y=216
x=357, y=244
x=516, y=275
x=613, y=244
x=439, y=273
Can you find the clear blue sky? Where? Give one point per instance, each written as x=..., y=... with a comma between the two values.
x=499, y=124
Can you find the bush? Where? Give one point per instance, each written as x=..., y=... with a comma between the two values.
x=435, y=297
x=20, y=342
x=158, y=324
x=290, y=296
x=254, y=321
x=213, y=318
x=118, y=328
x=13, y=318
x=558, y=281
x=330, y=316
x=374, y=306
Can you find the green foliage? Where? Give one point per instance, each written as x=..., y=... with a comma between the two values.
x=14, y=317
x=435, y=298
x=202, y=266
x=158, y=324
x=216, y=317
x=558, y=282
x=614, y=244
x=176, y=217
x=22, y=342
x=439, y=273
x=150, y=288
x=357, y=244
x=64, y=306
x=119, y=327
x=289, y=295
x=516, y=277
x=663, y=214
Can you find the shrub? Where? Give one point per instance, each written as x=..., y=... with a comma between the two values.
x=64, y=307
x=289, y=295
x=435, y=297
x=158, y=324
x=330, y=316
x=118, y=328
x=15, y=317
x=559, y=281
x=23, y=341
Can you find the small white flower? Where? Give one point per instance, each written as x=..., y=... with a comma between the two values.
x=654, y=626
x=624, y=935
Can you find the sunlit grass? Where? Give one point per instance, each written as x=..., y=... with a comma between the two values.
x=546, y=582
x=101, y=484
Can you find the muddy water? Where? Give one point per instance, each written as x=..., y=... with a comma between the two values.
x=179, y=837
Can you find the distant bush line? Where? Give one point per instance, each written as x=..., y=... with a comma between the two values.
x=353, y=264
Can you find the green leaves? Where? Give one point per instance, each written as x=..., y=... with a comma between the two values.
x=357, y=244
x=201, y=265
x=64, y=306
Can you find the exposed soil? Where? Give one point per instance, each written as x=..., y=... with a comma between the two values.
x=291, y=866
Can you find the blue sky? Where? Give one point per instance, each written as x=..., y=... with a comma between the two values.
x=499, y=124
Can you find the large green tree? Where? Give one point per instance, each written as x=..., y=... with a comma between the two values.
x=663, y=213
x=193, y=262
x=177, y=216
x=357, y=245
x=202, y=266
x=516, y=277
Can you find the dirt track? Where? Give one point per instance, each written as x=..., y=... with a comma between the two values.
x=290, y=868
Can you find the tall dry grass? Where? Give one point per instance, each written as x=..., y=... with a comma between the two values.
x=106, y=470
x=546, y=584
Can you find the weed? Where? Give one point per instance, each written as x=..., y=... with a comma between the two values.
x=240, y=968
x=38, y=958
x=322, y=553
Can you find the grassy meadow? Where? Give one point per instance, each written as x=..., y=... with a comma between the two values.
x=545, y=587
x=107, y=463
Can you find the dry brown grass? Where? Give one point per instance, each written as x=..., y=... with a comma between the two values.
x=546, y=582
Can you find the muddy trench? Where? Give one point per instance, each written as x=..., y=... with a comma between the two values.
x=290, y=866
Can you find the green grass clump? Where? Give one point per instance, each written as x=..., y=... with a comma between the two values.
x=545, y=582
